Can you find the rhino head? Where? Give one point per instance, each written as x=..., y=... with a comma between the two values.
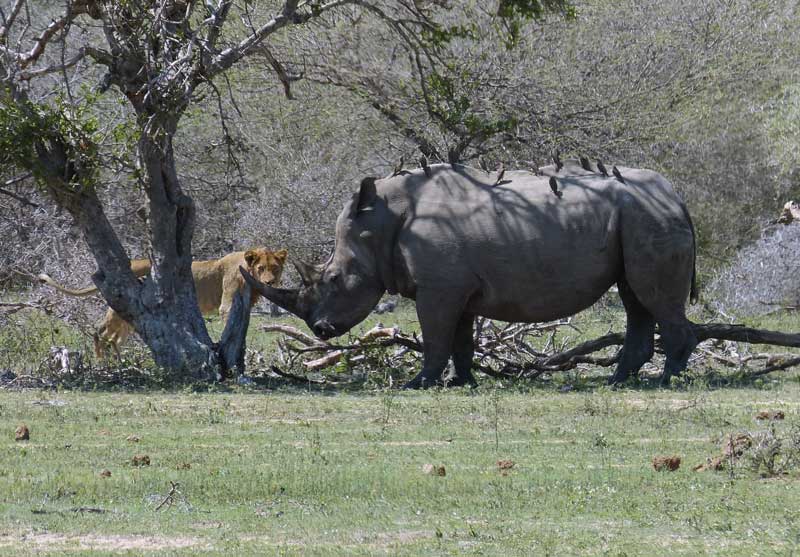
x=339, y=294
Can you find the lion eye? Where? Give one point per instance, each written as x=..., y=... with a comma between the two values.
x=260, y=268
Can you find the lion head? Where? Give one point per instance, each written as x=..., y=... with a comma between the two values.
x=265, y=264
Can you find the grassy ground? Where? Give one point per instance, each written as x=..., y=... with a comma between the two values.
x=303, y=473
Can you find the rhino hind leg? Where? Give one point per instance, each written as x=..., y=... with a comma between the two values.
x=639, y=343
x=463, y=351
x=678, y=340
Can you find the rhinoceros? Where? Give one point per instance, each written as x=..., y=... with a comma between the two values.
x=464, y=244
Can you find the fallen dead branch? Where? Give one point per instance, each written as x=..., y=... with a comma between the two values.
x=10, y=308
x=299, y=378
x=507, y=350
x=292, y=332
x=171, y=498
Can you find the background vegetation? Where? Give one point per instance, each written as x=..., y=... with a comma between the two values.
x=706, y=93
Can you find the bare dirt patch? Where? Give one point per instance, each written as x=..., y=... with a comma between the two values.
x=50, y=541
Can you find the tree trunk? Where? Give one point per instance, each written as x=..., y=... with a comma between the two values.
x=162, y=308
x=169, y=320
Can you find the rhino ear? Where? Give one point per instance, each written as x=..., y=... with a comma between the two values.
x=367, y=195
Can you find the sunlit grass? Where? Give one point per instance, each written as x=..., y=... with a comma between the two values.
x=296, y=472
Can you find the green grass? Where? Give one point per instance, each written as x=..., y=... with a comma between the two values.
x=303, y=473
x=296, y=471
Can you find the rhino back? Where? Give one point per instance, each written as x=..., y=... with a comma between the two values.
x=519, y=250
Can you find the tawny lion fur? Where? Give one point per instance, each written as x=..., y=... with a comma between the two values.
x=216, y=281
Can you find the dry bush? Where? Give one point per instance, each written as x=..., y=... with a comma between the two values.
x=762, y=277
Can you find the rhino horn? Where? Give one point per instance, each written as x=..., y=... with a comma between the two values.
x=287, y=298
x=308, y=273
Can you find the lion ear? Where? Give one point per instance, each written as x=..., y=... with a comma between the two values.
x=281, y=255
x=250, y=257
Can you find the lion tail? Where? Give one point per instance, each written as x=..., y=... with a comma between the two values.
x=82, y=293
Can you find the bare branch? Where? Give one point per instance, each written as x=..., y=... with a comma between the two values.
x=68, y=63
x=289, y=16
x=9, y=21
x=21, y=199
x=215, y=22
x=41, y=42
x=283, y=75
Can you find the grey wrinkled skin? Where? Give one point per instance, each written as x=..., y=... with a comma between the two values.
x=514, y=252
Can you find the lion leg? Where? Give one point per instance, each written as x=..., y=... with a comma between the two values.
x=225, y=308
x=113, y=331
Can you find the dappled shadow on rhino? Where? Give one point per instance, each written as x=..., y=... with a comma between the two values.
x=463, y=245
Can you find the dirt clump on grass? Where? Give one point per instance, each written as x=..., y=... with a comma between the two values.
x=505, y=464
x=670, y=463
x=140, y=460
x=434, y=470
x=770, y=415
x=22, y=433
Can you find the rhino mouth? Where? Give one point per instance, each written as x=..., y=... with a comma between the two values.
x=324, y=329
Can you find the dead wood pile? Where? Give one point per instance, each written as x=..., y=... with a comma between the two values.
x=529, y=350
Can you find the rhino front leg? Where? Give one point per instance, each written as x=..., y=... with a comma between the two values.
x=438, y=312
x=463, y=351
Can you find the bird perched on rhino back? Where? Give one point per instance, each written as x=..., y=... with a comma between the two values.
x=423, y=162
x=617, y=174
x=398, y=169
x=586, y=165
x=557, y=161
x=602, y=168
x=554, y=187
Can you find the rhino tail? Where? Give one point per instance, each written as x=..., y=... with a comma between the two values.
x=694, y=294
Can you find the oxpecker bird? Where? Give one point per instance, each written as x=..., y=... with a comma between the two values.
x=501, y=170
x=557, y=160
x=554, y=186
x=423, y=162
x=602, y=168
x=617, y=174
x=585, y=164
x=483, y=165
x=398, y=169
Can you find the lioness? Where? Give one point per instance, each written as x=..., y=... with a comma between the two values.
x=216, y=282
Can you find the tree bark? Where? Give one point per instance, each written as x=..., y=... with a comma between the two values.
x=168, y=318
x=232, y=343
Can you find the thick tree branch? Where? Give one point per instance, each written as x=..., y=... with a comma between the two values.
x=289, y=16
